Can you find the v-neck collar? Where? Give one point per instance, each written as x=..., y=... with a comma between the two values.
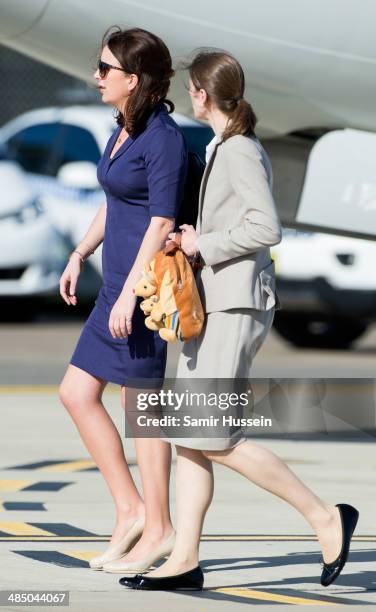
x=124, y=145
x=160, y=108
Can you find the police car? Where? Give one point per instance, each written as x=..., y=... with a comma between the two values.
x=57, y=150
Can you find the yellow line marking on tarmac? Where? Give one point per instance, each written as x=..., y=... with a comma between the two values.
x=255, y=538
x=14, y=485
x=83, y=555
x=219, y=538
x=69, y=466
x=112, y=388
x=16, y=389
x=288, y=599
x=18, y=529
x=268, y=537
x=28, y=388
x=54, y=538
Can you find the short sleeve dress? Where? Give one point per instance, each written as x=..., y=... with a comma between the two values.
x=144, y=178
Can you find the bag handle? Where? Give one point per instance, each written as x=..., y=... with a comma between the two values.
x=173, y=245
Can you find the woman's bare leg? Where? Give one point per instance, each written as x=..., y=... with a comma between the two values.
x=154, y=462
x=194, y=493
x=81, y=394
x=265, y=469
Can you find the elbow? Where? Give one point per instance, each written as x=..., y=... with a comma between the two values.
x=267, y=235
x=275, y=235
x=266, y=231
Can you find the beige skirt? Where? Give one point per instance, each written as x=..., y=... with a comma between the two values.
x=224, y=350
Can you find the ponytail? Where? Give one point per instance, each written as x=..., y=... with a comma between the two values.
x=242, y=119
x=222, y=77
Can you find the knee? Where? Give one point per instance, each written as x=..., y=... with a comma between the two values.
x=65, y=394
x=70, y=396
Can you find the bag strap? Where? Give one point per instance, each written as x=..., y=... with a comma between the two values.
x=173, y=245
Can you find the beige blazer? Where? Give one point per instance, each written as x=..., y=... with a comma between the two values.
x=237, y=223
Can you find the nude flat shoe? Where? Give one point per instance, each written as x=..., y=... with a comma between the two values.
x=120, y=566
x=119, y=549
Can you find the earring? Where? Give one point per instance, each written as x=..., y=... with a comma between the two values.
x=155, y=98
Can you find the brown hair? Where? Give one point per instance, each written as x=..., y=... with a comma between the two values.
x=142, y=53
x=222, y=77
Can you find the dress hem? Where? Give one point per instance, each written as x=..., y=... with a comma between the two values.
x=94, y=373
x=206, y=444
x=134, y=383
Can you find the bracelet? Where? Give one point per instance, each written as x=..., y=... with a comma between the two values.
x=82, y=258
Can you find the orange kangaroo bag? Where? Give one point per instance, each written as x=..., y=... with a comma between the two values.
x=172, y=302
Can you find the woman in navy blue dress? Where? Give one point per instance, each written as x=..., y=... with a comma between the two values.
x=142, y=173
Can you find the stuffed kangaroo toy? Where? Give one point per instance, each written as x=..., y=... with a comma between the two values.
x=172, y=302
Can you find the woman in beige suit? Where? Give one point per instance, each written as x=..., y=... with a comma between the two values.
x=237, y=224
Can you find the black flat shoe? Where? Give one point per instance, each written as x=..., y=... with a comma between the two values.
x=193, y=580
x=349, y=518
x=129, y=581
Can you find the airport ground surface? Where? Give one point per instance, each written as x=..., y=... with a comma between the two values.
x=56, y=512
x=37, y=351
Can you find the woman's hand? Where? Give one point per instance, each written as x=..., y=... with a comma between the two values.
x=189, y=238
x=69, y=278
x=120, y=322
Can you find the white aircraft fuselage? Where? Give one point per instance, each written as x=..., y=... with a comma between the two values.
x=309, y=67
x=308, y=63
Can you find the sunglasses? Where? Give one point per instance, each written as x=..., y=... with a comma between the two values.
x=104, y=68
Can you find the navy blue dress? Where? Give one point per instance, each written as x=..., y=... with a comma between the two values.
x=145, y=178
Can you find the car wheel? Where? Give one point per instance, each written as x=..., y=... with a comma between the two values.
x=315, y=331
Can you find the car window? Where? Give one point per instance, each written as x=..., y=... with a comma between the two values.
x=197, y=138
x=77, y=144
x=33, y=147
